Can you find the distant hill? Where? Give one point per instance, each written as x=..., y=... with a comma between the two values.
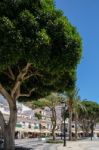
x=21, y=107
x=3, y=100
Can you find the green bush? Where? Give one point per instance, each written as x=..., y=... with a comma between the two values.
x=54, y=142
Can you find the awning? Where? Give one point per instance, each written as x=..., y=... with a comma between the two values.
x=27, y=130
x=96, y=131
x=45, y=131
x=43, y=124
x=58, y=132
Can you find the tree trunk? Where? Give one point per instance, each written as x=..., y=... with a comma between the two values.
x=53, y=133
x=70, y=125
x=76, y=123
x=9, y=131
x=92, y=128
x=53, y=119
x=9, y=128
x=9, y=140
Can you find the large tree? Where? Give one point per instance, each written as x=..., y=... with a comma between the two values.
x=77, y=106
x=70, y=103
x=39, y=53
x=51, y=101
x=90, y=117
x=74, y=105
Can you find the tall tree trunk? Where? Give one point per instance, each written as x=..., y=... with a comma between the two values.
x=9, y=130
x=92, y=128
x=76, y=123
x=53, y=133
x=53, y=119
x=70, y=124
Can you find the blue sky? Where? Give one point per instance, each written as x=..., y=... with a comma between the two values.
x=84, y=14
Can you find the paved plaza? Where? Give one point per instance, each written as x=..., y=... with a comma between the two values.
x=72, y=146
x=81, y=145
x=75, y=145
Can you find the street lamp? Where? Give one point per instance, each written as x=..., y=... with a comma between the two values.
x=64, y=114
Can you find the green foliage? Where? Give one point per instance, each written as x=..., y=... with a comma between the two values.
x=92, y=108
x=47, y=5
x=10, y=41
x=38, y=115
x=54, y=141
x=89, y=117
x=38, y=104
x=50, y=101
x=34, y=31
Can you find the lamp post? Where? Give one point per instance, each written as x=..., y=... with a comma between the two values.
x=64, y=114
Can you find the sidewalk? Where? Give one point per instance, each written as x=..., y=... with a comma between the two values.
x=75, y=145
x=80, y=145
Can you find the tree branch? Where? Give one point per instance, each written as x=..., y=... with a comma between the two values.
x=12, y=104
x=32, y=74
x=19, y=80
x=27, y=94
x=6, y=95
x=2, y=121
x=10, y=74
x=27, y=77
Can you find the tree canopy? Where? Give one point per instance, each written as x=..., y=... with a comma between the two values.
x=50, y=101
x=89, y=117
x=36, y=32
x=39, y=53
x=92, y=110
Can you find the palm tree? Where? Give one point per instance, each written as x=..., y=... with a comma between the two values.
x=74, y=104
x=67, y=97
x=77, y=104
x=70, y=96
